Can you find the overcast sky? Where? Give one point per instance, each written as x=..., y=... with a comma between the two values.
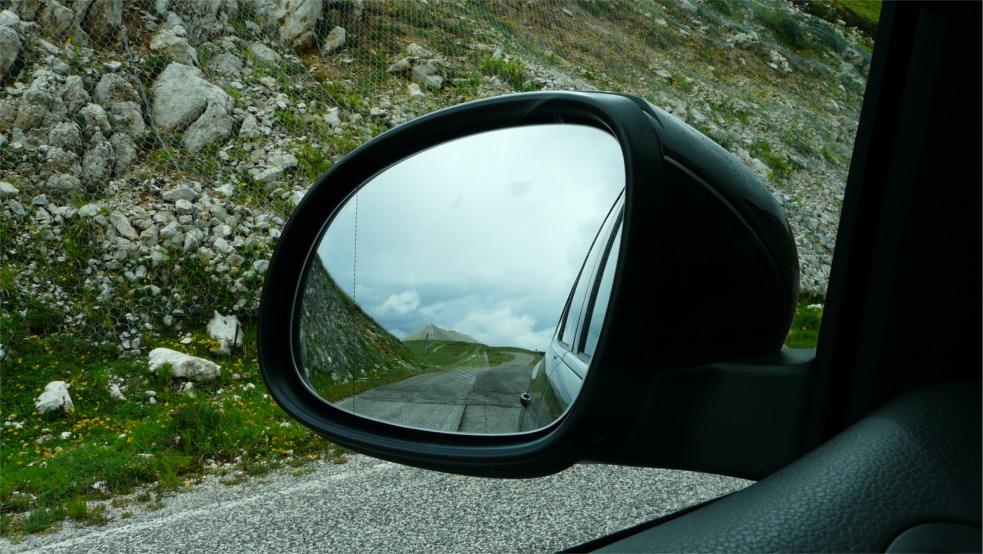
x=483, y=235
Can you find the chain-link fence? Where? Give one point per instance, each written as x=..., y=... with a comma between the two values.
x=150, y=151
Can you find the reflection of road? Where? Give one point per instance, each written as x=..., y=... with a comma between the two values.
x=474, y=400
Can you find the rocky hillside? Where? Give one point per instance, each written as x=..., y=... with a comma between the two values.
x=150, y=151
x=339, y=342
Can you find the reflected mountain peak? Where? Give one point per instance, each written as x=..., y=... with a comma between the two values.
x=434, y=333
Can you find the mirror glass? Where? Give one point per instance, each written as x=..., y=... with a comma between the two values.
x=438, y=285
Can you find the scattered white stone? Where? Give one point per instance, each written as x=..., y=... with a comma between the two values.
x=182, y=192
x=778, y=61
x=123, y=226
x=415, y=49
x=334, y=41
x=332, y=118
x=415, y=92
x=226, y=190
x=115, y=392
x=66, y=435
x=90, y=210
x=55, y=397
x=227, y=330
x=6, y=189
x=183, y=366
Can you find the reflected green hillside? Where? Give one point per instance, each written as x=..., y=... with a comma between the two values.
x=343, y=347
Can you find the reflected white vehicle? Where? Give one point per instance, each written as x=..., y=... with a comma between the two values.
x=556, y=380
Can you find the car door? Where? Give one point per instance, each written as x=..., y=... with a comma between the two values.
x=568, y=355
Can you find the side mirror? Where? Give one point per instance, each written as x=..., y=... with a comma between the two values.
x=504, y=287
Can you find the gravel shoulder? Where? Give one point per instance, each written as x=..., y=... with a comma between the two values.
x=368, y=505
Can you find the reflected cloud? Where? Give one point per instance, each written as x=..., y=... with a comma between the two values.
x=402, y=303
x=502, y=327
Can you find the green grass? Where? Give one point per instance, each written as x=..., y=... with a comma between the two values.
x=862, y=14
x=512, y=71
x=805, y=326
x=780, y=165
x=54, y=466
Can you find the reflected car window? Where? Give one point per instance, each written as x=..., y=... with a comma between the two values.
x=601, y=297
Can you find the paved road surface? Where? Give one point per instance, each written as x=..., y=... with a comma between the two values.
x=368, y=505
x=473, y=400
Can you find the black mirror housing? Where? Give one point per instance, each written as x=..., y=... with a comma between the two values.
x=708, y=273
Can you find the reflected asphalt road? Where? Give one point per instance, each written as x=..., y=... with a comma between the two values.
x=474, y=400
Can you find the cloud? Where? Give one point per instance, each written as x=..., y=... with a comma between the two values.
x=402, y=303
x=503, y=328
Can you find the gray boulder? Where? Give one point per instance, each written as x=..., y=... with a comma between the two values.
x=55, y=398
x=95, y=119
x=207, y=18
x=428, y=75
x=114, y=88
x=60, y=22
x=123, y=226
x=67, y=136
x=58, y=160
x=334, y=41
x=129, y=118
x=173, y=42
x=41, y=105
x=10, y=45
x=184, y=101
x=227, y=64
x=97, y=165
x=73, y=94
x=116, y=93
x=296, y=20
x=227, y=330
x=352, y=8
x=263, y=52
x=183, y=366
x=101, y=19
x=26, y=9
x=125, y=152
x=62, y=185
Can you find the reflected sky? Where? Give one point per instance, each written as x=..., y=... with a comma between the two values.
x=483, y=235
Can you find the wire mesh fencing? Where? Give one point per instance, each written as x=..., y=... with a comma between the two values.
x=151, y=151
